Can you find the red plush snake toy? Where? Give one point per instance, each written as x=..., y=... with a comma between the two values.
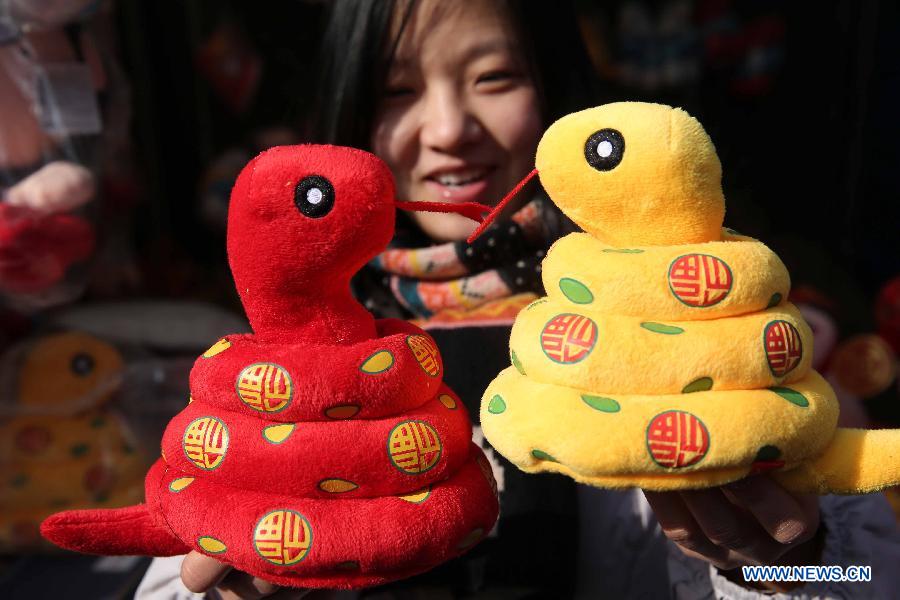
x=322, y=450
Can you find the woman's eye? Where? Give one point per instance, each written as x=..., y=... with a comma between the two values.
x=399, y=91
x=495, y=76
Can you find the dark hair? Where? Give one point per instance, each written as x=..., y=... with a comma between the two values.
x=355, y=55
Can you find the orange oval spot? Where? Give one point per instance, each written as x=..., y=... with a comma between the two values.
x=337, y=486
x=417, y=497
x=344, y=411
x=217, y=348
x=179, y=484
x=211, y=544
x=378, y=363
x=447, y=401
x=278, y=433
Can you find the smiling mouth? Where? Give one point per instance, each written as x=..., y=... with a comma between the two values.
x=457, y=179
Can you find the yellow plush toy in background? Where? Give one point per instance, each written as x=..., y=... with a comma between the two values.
x=665, y=355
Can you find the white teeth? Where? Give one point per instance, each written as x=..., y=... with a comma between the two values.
x=460, y=177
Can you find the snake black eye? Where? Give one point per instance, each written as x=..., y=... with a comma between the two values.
x=604, y=149
x=314, y=196
x=82, y=364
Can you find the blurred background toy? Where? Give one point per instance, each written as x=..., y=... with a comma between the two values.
x=61, y=443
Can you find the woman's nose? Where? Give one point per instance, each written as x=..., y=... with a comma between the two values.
x=447, y=124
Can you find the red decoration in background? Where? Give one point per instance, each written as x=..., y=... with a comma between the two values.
x=231, y=66
x=887, y=313
x=37, y=249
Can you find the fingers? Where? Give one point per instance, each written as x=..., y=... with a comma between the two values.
x=679, y=525
x=200, y=572
x=728, y=527
x=788, y=519
x=243, y=586
x=751, y=521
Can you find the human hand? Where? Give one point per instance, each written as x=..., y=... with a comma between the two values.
x=58, y=186
x=753, y=521
x=201, y=573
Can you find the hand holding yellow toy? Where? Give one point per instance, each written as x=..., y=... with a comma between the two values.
x=665, y=355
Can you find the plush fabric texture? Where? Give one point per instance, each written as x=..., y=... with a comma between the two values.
x=664, y=355
x=669, y=173
x=37, y=249
x=563, y=344
x=741, y=275
x=322, y=450
x=369, y=379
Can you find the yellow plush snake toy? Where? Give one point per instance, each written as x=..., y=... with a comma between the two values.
x=665, y=354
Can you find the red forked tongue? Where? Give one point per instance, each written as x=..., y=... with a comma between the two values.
x=500, y=206
x=471, y=210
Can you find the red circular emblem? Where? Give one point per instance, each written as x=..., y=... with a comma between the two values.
x=33, y=439
x=414, y=446
x=265, y=387
x=205, y=442
x=784, y=349
x=426, y=353
x=700, y=280
x=283, y=537
x=677, y=439
x=568, y=338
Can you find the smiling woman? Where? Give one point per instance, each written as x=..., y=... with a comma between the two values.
x=460, y=119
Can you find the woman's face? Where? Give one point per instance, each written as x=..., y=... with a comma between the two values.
x=459, y=121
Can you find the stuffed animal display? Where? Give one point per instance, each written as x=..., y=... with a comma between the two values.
x=60, y=444
x=665, y=354
x=322, y=450
x=36, y=249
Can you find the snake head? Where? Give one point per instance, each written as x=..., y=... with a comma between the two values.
x=303, y=216
x=634, y=174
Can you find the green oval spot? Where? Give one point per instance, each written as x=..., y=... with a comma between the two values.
x=18, y=480
x=79, y=450
x=602, y=404
x=541, y=455
x=792, y=396
x=496, y=405
x=515, y=362
x=767, y=453
x=698, y=385
x=775, y=300
x=98, y=422
x=623, y=250
x=575, y=291
x=662, y=328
